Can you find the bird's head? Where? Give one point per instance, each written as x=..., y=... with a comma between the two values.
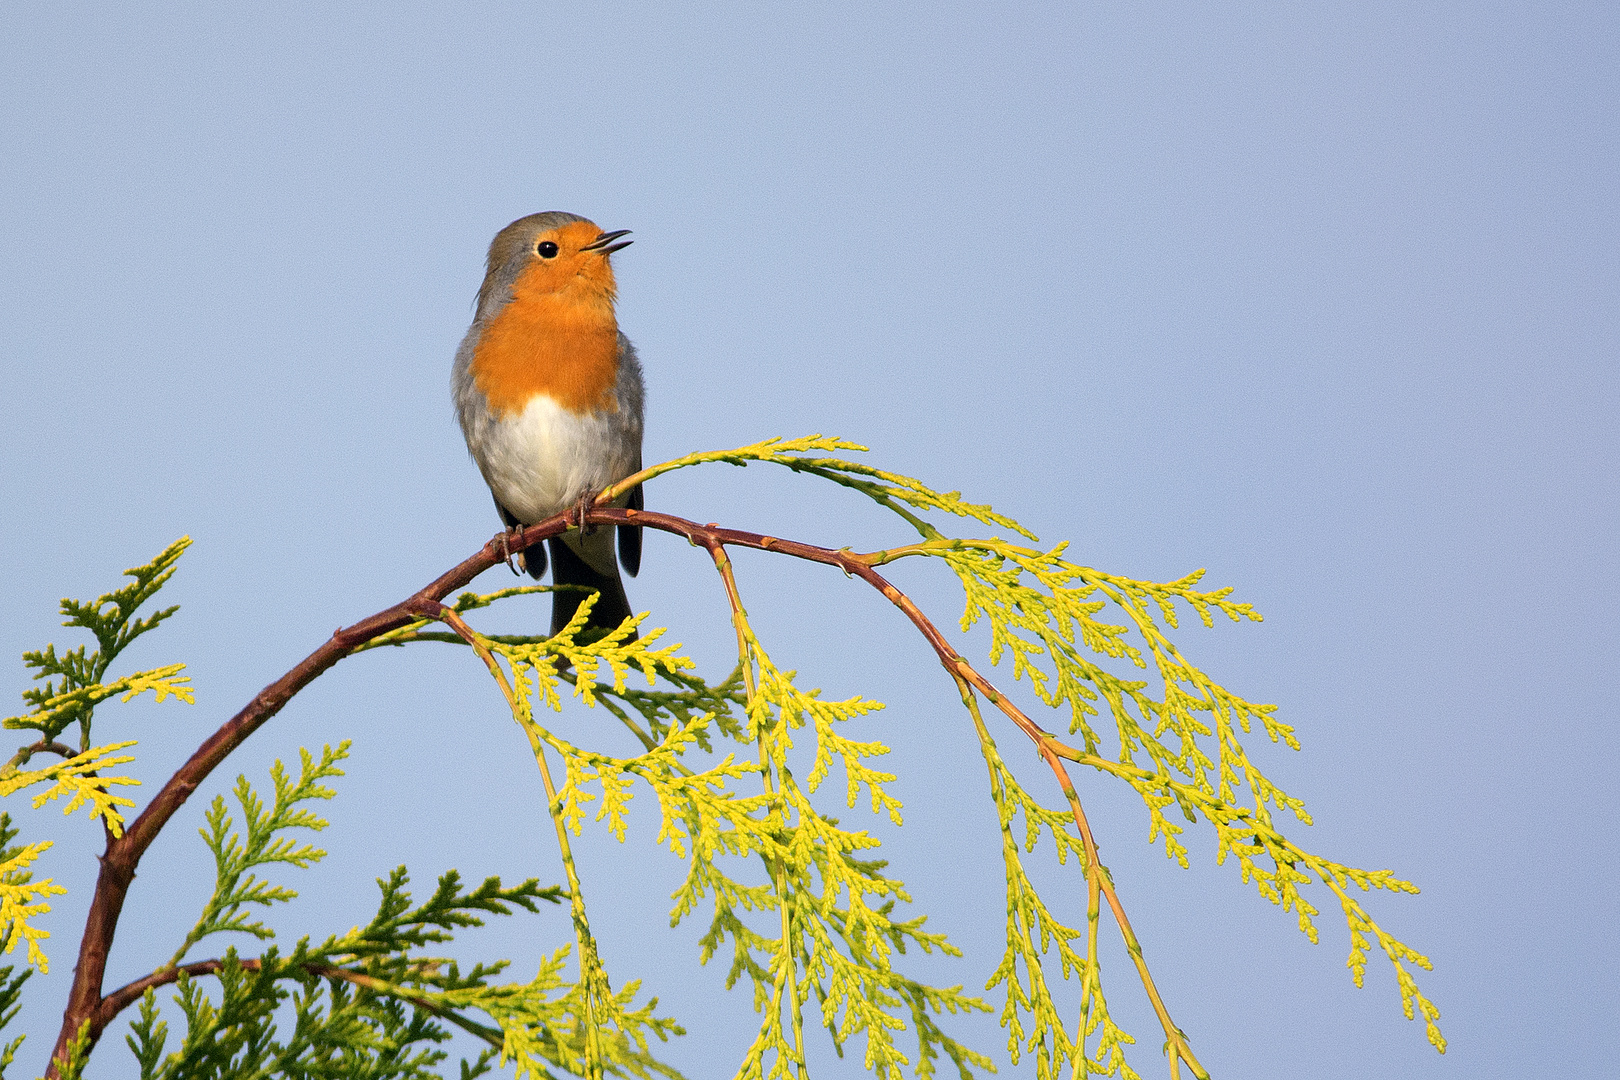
x=551, y=254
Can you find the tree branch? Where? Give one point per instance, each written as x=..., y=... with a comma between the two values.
x=44, y=746
x=1052, y=751
x=123, y=854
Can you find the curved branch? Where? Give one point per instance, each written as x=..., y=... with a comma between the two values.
x=1050, y=749
x=44, y=746
x=123, y=854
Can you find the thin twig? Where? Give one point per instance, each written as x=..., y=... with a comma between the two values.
x=44, y=746
x=786, y=981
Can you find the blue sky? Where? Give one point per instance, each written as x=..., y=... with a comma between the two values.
x=1318, y=296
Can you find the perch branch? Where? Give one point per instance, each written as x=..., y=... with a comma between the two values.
x=123, y=854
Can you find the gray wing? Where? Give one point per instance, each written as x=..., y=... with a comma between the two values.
x=632, y=396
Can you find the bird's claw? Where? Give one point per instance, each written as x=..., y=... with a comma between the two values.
x=587, y=499
x=506, y=551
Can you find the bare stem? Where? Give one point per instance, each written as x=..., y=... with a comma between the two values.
x=1097, y=880
x=739, y=617
x=44, y=746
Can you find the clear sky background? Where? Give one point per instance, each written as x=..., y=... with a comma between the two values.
x=1321, y=297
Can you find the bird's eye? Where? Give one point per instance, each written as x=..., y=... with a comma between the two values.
x=546, y=249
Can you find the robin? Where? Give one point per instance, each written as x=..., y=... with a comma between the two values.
x=549, y=395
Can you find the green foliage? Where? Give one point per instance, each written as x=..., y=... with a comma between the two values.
x=800, y=905
x=1032, y=931
x=78, y=779
x=234, y=855
x=22, y=899
x=338, y=1031
x=365, y=1003
x=78, y=1053
x=836, y=934
x=111, y=618
x=73, y=687
x=1043, y=612
x=14, y=928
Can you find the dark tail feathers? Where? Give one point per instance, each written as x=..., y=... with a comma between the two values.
x=612, y=607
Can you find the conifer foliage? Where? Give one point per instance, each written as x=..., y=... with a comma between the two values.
x=797, y=905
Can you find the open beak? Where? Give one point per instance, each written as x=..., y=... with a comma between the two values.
x=604, y=245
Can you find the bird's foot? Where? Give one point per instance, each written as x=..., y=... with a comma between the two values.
x=514, y=562
x=587, y=499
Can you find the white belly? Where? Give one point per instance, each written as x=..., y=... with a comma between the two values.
x=541, y=461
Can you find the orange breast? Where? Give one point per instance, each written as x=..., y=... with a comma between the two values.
x=561, y=344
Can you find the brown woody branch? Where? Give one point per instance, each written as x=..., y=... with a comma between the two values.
x=123, y=854
x=43, y=746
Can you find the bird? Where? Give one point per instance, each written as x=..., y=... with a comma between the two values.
x=549, y=394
